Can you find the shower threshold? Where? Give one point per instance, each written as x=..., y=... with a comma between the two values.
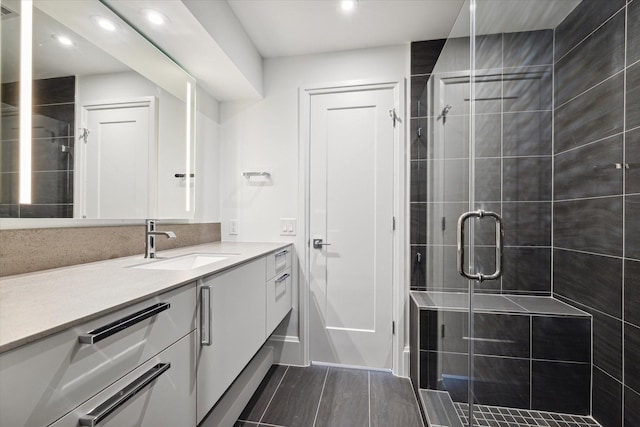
x=496, y=416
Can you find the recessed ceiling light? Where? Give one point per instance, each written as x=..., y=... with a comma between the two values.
x=104, y=23
x=155, y=17
x=348, y=5
x=64, y=40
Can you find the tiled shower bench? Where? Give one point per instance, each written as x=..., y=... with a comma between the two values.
x=531, y=352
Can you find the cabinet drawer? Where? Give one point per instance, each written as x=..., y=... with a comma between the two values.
x=44, y=380
x=165, y=396
x=278, y=299
x=278, y=261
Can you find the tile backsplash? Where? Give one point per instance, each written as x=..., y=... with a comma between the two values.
x=29, y=250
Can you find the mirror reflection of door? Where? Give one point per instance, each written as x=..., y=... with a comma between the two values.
x=118, y=142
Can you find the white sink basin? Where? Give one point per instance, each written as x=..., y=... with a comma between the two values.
x=184, y=262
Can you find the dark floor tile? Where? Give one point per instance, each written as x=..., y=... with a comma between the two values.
x=561, y=338
x=607, y=399
x=527, y=223
x=527, y=179
x=528, y=89
x=600, y=289
x=260, y=399
x=632, y=227
x=571, y=385
x=633, y=94
x=632, y=357
x=594, y=115
x=291, y=407
x=632, y=156
x=526, y=270
x=527, y=133
x=603, y=53
x=424, y=55
x=632, y=292
x=393, y=402
x=590, y=171
x=631, y=404
x=593, y=225
x=633, y=35
x=528, y=48
x=345, y=399
x=584, y=19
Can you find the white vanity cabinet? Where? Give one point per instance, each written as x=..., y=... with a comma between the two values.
x=42, y=381
x=160, y=392
x=279, y=288
x=232, y=314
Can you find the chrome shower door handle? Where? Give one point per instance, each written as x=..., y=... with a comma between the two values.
x=499, y=245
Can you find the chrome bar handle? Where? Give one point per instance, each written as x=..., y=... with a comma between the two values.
x=499, y=245
x=282, y=278
x=205, y=315
x=98, y=334
x=282, y=253
x=100, y=412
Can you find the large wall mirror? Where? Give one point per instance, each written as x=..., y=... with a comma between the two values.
x=112, y=120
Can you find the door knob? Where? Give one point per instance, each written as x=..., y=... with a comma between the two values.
x=317, y=244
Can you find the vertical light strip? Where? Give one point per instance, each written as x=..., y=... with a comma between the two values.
x=26, y=21
x=188, y=149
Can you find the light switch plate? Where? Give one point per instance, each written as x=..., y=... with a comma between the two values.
x=233, y=227
x=287, y=226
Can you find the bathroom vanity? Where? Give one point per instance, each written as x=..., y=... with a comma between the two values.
x=137, y=342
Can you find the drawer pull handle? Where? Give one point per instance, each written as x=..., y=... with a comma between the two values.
x=103, y=332
x=281, y=253
x=205, y=315
x=282, y=278
x=114, y=402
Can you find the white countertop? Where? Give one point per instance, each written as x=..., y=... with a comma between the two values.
x=35, y=305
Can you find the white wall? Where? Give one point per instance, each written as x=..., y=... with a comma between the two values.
x=263, y=136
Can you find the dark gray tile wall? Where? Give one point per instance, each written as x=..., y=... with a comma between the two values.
x=514, y=150
x=526, y=360
x=53, y=128
x=596, y=186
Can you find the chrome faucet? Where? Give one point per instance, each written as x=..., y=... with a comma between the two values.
x=150, y=237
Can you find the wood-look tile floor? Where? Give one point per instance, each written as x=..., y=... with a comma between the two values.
x=314, y=396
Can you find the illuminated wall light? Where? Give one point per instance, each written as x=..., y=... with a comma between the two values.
x=26, y=75
x=188, y=150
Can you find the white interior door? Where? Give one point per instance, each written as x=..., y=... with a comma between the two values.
x=351, y=210
x=119, y=153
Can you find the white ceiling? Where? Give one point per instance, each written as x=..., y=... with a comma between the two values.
x=296, y=27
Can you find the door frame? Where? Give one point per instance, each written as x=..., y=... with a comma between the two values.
x=80, y=180
x=400, y=287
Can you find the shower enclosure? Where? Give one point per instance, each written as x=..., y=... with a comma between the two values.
x=521, y=200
